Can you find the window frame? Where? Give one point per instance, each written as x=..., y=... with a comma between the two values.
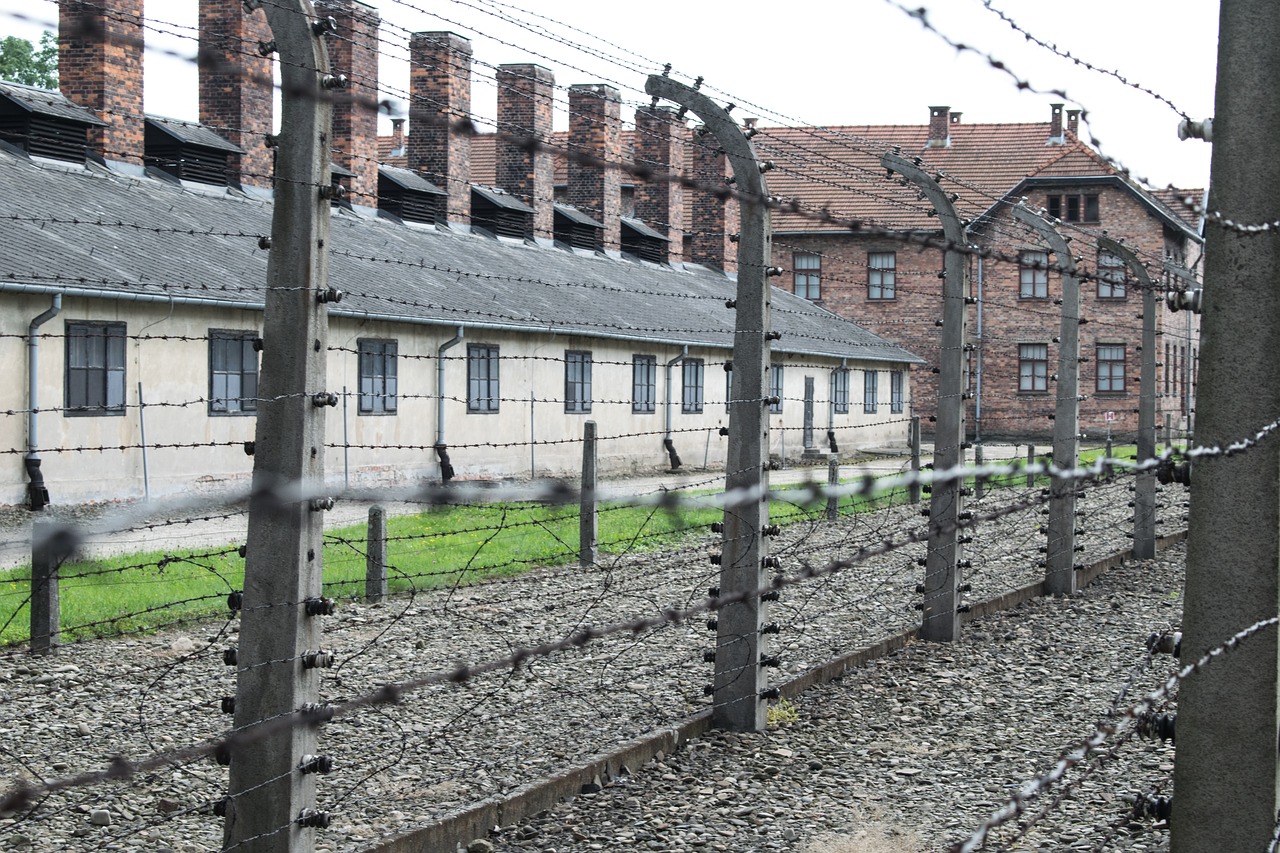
x=870, y=392
x=897, y=392
x=381, y=400
x=1033, y=270
x=1107, y=376
x=108, y=377
x=484, y=379
x=777, y=382
x=644, y=384
x=577, y=382
x=246, y=402
x=1039, y=383
x=692, y=375
x=840, y=390
x=806, y=281
x=1074, y=207
x=882, y=280
x=1113, y=277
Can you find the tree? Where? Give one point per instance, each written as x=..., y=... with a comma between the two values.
x=22, y=62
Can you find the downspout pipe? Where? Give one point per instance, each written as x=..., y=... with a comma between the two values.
x=667, y=442
x=442, y=449
x=37, y=493
x=831, y=406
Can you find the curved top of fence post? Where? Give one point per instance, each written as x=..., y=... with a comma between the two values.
x=1130, y=258
x=1066, y=261
x=306, y=111
x=952, y=228
x=746, y=167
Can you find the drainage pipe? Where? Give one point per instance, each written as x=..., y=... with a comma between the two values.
x=667, y=442
x=37, y=493
x=442, y=450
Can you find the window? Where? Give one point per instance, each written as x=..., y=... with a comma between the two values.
x=1110, y=359
x=807, y=269
x=1168, y=368
x=577, y=381
x=775, y=388
x=1033, y=275
x=870, y=392
x=233, y=373
x=881, y=275
x=1111, y=276
x=377, y=377
x=482, y=378
x=691, y=392
x=1073, y=207
x=840, y=391
x=1033, y=368
x=895, y=391
x=95, y=369
x=644, y=379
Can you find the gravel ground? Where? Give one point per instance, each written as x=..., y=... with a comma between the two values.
x=928, y=740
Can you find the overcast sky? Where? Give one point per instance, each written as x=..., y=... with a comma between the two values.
x=827, y=63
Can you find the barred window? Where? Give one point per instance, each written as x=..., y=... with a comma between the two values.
x=807, y=270
x=95, y=369
x=882, y=268
x=483, y=394
x=1111, y=368
x=691, y=392
x=870, y=392
x=377, y=377
x=644, y=379
x=1033, y=275
x=1033, y=368
x=233, y=373
x=577, y=381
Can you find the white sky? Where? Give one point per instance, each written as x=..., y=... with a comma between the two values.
x=828, y=63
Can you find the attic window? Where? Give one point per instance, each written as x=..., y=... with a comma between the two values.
x=43, y=123
x=1073, y=207
x=575, y=229
x=501, y=214
x=403, y=193
x=188, y=151
x=643, y=242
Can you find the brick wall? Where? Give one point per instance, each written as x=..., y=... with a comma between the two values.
x=440, y=98
x=595, y=128
x=660, y=146
x=236, y=90
x=353, y=51
x=100, y=68
x=713, y=218
x=525, y=97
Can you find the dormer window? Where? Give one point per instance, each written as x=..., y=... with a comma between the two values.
x=409, y=196
x=643, y=242
x=187, y=151
x=575, y=229
x=500, y=214
x=43, y=123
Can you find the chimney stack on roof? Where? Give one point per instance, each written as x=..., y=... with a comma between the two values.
x=100, y=68
x=1055, y=125
x=397, y=137
x=712, y=217
x=525, y=96
x=595, y=129
x=440, y=98
x=955, y=117
x=660, y=146
x=353, y=52
x=1073, y=123
x=939, y=127
x=236, y=89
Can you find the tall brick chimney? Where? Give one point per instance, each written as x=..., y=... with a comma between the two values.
x=1055, y=125
x=660, y=146
x=440, y=96
x=939, y=127
x=525, y=96
x=236, y=90
x=353, y=51
x=595, y=128
x=1073, y=122
x=100, y=68
x=714, y=218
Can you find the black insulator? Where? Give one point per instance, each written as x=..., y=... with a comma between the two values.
x=316, y=712
x=222, y=754
x=771, y=628
x=771, y=595
x=249, y=447
x=316, y=764
x=713, y=592
x=714, y=559
x=320, y=606
x=228, y=704
x=318, y=659
x=770, y=693
x=313, y=818
x=230, y=657
x=709, y=656
x=770, y=661
x=712, y=624
x=235, y=601
x=717, y=527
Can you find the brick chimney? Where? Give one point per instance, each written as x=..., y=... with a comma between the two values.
x=236, y=89
x=440, y=98
x=100, y=68
x=660, y=146
x=939, y=127
x=397, y=137
x=525, y=96
x=353, y=51
x=1073, y=123
x=1055, y=125
x=713, y=218
x=955, y=117
x=595, y=128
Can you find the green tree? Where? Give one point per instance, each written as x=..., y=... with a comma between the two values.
x=22, y=62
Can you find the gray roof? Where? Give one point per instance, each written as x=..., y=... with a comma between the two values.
x=48, y=103
x=498, y=198
x=191, y=133
x=409, y=180
x=120, y=236
x=576, y=216
x=640, y=228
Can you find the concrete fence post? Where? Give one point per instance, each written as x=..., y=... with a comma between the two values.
x=375, y=556
x=46, y=559
x=913, y=490
x=940, y=620
x=1031, y=460
x=833, y=480
x=979, y=482
x=588, y=509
